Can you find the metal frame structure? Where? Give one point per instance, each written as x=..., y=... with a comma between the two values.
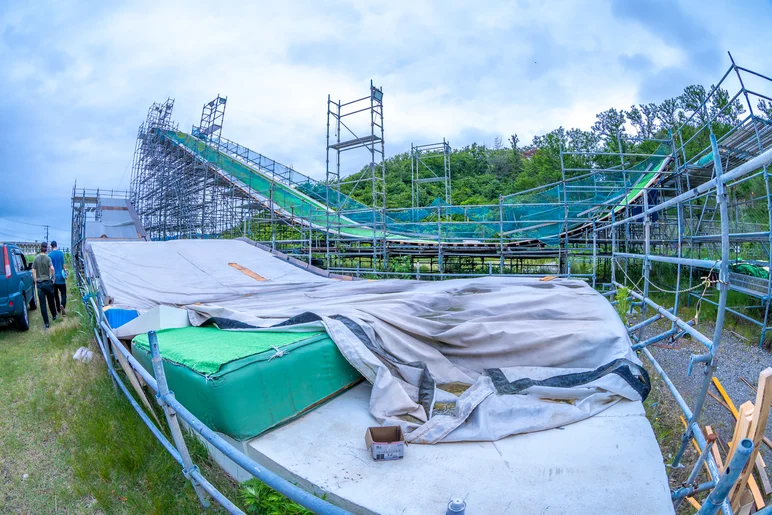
x=423, y=169
x=87, y=207
x=349, y=133
x=119, y=359
x=176, y=192
x=551, y=229
x=657, y=219
x=212, y=117
x=679, y=243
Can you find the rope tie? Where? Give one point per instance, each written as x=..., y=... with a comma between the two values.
x=279, y=353
x=705, y=283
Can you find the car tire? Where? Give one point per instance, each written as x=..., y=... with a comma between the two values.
x=22, y=321
x=32, y=304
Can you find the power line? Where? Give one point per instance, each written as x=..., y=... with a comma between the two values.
x=20, y=222
x=17, y=235
x=124, y=174
x=35, y=225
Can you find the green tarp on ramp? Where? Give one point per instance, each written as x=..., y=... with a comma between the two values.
x=244, y=383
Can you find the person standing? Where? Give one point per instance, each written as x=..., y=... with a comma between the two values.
x=60, y=279
x=43, y=273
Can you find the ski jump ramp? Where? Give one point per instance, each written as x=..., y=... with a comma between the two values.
x=527, y=218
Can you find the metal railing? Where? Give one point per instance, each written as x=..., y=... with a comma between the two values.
x=110, y=346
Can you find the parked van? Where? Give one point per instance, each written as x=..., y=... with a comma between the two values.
x=17, y=294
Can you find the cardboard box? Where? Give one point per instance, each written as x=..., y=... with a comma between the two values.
x=385, y=443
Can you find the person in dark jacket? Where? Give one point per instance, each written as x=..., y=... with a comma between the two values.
x=43, y=272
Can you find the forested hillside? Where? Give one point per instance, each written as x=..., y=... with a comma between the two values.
x=480, y=174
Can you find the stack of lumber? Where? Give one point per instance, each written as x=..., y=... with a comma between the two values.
x=751, y=421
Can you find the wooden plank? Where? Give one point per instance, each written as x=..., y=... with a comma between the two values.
x=766, y=486
x=756, y=433
x=760, y=461
x=694, y=503
x=725, y=395
x=742, y=428
x=732, y=407
x=246, y=271
x=756, y=492
x=134, y=380
x=745, y=509
x=714, y=450
x=744, y=380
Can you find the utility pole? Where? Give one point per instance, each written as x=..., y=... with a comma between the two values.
x=46, y=226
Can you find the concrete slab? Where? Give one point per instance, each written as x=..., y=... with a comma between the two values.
x=610, y=463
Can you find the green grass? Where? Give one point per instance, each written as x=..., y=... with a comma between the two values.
x=70, y=443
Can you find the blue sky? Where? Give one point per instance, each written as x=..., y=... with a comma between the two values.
x=77, y=77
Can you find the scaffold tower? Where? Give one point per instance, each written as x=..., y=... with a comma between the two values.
x=357, y=124
x=430, y=164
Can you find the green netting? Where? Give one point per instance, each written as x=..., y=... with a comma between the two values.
x=539, y=214
x=294, y=202
x=207, y=349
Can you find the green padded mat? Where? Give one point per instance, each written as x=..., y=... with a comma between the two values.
x=207, y=349
x=235, y=383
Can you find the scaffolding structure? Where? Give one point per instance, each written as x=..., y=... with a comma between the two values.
x=681, y=247
x=674, y=222
x=202, y=185
x=212, y=117
x=351, y=132
x=429, y=164
x=177, y=193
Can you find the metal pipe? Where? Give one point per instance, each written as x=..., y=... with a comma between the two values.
x=646, y=322
x=171, y=416
x=689, y=491
x=663, y=336
x=716, y=499
x=205, y=484
x=698, y=263
x=680, y=323
x=666, y=379
x=282, y=486
x=754, y=164
x=765, y=511
x=696, y=468
x=723, y=286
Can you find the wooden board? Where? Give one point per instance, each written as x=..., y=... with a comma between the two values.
x=756, y=433
x=742, y=428
x=714, y=450
x=246, y=271
x=725, y=395
x=765, y=484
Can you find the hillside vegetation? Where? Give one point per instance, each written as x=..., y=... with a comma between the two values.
x=480, y=174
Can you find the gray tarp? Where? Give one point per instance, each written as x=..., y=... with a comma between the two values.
x=410, y=339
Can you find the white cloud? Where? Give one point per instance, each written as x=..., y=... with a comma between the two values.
x=80, y=78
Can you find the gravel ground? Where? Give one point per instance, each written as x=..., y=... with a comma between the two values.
x=736, y=358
